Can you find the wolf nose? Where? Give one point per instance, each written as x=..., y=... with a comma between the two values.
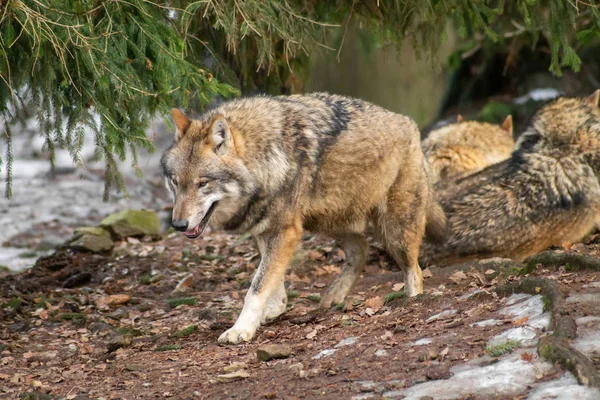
x=180, y=224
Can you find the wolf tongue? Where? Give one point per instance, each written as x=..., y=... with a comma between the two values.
x=193, y=231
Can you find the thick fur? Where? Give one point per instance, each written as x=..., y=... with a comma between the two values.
x=547, y=193
x=466, y=147
x=275, y=166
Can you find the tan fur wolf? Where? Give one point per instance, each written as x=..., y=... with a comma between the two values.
x=466, y=147
x=273, y=166
x=547, y=193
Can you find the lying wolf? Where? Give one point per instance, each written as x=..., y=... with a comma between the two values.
x=547, y=193
x=465, y=147
x=274, y=166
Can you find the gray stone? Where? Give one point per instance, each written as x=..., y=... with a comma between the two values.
x=136, y=223
x=91, y=230
x=270, y=351
x=95, y=244
x=119, y=341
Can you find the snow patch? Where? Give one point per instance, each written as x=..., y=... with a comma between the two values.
x=566, y=387
x=508, y=377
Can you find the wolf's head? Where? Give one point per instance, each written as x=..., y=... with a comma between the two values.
x=566, y=126
x=204, y=171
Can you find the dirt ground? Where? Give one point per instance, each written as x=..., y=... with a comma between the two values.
x=81, y=326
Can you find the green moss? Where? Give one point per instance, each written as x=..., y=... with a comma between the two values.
x=339, y=306
x=145, y=278
x=547, y=302
x=43, y=302
x=315, y=298
x=128, y=330
x=211, y=257
x=393, y=295
x=14, y=303
x=168, y=347
x=71, y=316
x=35, y=395
x=572, y=268
x=503, y=348
x=190, y=301
x=186, y=331
x=28, y=254
x=547, y=352
x=292, y=294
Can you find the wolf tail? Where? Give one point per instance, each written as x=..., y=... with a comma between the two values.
x=435, y=228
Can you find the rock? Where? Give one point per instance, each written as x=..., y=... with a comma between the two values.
x=346, y=342
x=119, y=341
x=381, y=353
x=296, y=367
x=136, y=223
x=270, y=351
x=234, y=376
x=123, y=251
x=433, y=353
x=324, y=353
x=95, y=244
x=92, y=231
x=236, y=366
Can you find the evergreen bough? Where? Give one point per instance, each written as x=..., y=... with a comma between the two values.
x=126, y=60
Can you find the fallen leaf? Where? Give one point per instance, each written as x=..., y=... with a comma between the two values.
x=520, y=321
x=457, y=277
x=312, y=334
x=185, y=284
x=375, y=303
x=398, y=287
x=490, y=271
x=295, y=278
x=527, y=357
x=427, y=273
x=332, y=269
x=444, y=352
x=114, y=299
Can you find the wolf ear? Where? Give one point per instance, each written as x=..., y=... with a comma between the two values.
x=181, y=122
x=593, y=98
x=507, y=125
x=459, y=119
x=220, y=135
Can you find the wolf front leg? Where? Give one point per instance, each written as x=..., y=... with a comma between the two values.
x=267, y=286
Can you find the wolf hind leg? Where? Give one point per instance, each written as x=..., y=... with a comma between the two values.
x=355, y=247
x=400, y=225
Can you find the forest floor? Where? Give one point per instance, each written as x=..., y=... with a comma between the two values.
x=80, y=325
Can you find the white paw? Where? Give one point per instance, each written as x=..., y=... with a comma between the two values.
x=275, y=308
x=236, y=335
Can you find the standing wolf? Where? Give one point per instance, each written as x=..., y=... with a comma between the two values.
x=465, y=147
x=273, y=166
x=547, y=193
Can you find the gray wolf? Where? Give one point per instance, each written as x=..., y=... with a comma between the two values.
x=546, y=194
x=275, y=166
x=466, y=147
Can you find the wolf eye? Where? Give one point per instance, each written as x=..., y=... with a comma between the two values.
x=174, y=181
x=202, y=183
